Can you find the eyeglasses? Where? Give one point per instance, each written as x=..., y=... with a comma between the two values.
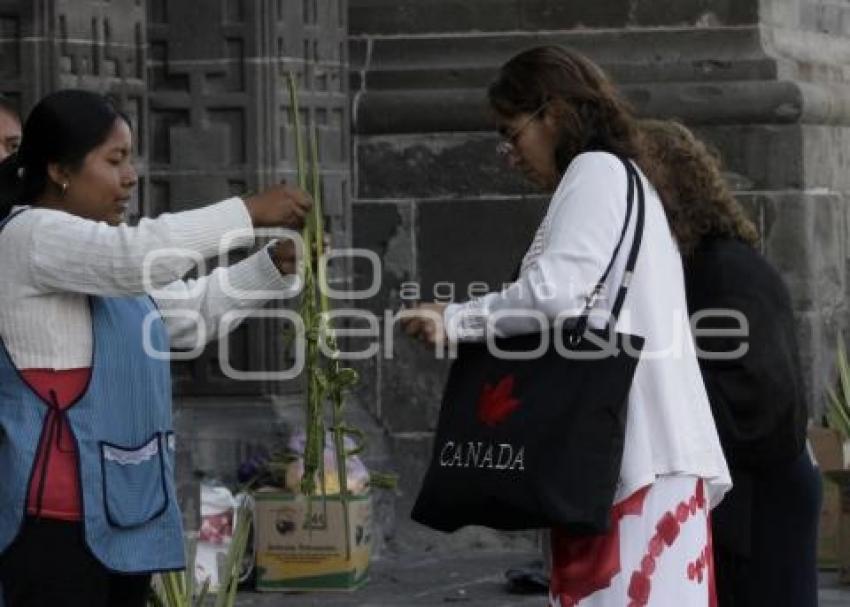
x=508, y=146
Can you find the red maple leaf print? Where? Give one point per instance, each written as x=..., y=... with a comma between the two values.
x=495, y=404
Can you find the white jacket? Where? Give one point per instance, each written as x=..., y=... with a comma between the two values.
x=669, y=428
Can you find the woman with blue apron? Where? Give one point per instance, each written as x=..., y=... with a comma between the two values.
x=89, y=309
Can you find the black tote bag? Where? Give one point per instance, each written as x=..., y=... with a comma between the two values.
x=537, y=443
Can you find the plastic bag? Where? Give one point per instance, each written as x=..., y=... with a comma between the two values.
x=357, y=476
x=218, y=513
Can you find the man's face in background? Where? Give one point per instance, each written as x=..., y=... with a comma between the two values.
x=10, y=133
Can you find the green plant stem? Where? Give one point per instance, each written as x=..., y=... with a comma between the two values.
x=226, y=596
x=314, y=425
x=330, y=343
x=838, y=402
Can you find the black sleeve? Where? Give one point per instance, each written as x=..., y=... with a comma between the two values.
x=757, y=398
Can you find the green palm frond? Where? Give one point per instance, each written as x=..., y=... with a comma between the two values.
x=838, y=399
x=177, y=588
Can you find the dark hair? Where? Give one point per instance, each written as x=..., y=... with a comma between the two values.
x=62, y=128
x=592, y=114
x=687, y=174
x=8, y=107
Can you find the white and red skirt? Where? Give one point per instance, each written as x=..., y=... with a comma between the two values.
x=658, y=553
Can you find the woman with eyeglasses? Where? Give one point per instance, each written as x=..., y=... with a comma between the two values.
x=565, y=127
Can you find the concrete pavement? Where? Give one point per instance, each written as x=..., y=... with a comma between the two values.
x=446, y=580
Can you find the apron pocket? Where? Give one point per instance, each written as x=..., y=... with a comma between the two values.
x=134, y=490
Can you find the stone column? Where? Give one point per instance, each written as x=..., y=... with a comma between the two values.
x=762, y=80
x=221, y=123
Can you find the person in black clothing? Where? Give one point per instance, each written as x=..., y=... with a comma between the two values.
x=765, y=530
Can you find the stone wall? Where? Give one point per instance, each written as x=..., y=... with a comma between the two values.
x=761, y=80
x=62, y=44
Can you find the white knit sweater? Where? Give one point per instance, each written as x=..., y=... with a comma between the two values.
x=50, y=261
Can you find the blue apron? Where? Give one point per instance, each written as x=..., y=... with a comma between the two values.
x=124, y=437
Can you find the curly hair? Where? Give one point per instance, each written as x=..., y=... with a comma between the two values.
x=687, y=175
x=591, y=112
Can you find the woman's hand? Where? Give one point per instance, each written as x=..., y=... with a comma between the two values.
x=425, y=321
x=279, y=206
x=284, y=254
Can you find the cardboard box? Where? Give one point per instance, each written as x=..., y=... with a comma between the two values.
x=828, y=448
x=299, y=550
x=840, y=486
x=837, y=490
x=828, y=452
x=829, y=525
